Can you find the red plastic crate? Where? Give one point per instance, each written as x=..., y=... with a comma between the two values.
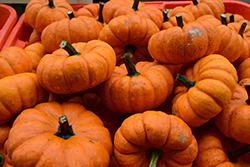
x=7, y=22
x=20, y=34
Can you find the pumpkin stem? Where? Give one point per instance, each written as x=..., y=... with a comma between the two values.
x=247, y=87
x=179, y=20
x=130, y=50
x=237, y=153
x=165, y=15
x=195, y=2
x=154, y=154
x=184, y=81
x=2, y=160
x=51, y=4
x=100, y=18
x=223, y=19
x=135, y=5
x=231, y=18
x=242, y=29
x=70, y=14
x=65, y=130
x=69, y=48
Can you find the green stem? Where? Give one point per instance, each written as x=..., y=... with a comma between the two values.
x=184, y=81
x=165, y=15
x=70, y=14
x=233, y=156
x=195, y=2
x=69, y=48
x=2, y=160
x=242, y=29
x=231, y=18
x=51, y=4
x=135, y=5
x=65, y=130
x=154, y=155
x=223, y=19
x=179, y=20
x=100, y=18
x=126, y=58
x=247, y=87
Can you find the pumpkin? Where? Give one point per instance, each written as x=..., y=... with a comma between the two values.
x=81, y=67
x=7, y=162
x=79, y=140
x=4, y=132
x=243, y=69
x=184, y=44
x=170, y=20
x=35, y=36
x=136, y=88
x=209, y=85
x=124, y=31
x=244, y=82
x=14, y=60
x=154, y=138
x=68, y=30
x=214, y=150
x=41, y=13
x=19, y=92
x=36, y=51
x=115, y=8
x=231, y=18
x=233, y=120
x=203, y=7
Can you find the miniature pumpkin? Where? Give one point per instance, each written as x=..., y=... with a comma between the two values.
x=136, y=88
x=35, y=36
x=209, y=86
x=81, y=67
x=233, y=120
x=154, y=138
x=114, y=8
x=68, y=30
x=14, y=60
x=243, y=69
x=19, y=92
x=41, y=13
x=236, y=18
x=79, y=140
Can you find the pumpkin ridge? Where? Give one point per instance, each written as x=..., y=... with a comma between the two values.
x=117, y=37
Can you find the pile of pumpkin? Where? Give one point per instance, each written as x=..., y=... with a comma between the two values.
x=125, y=84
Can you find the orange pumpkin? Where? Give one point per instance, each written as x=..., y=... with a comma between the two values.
x=209, y=86
x=19, y=92
x=7, y=162
x=35, y=36
x=79, y=140
x=153, y=138
x=41, y=13
x=236, y=18
x=136, y=88
x=81, y=67
x=4, y=132
x=243, y=69
x=14, y=60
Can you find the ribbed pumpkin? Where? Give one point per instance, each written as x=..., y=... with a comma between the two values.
x=203, y=7
x=19, y=92
x=4, y=132
x=80, y=139
x=81, y=67
x=115, y=8
x=209, y=86
x=14, y=60
x=41, y=13
x=136, y=88
x=233, y=120
x=92, y=10
x=236, y=18
x=154, y=138
x=124, y=31
x=184, y=44
x=243, y=69
x=72, y=30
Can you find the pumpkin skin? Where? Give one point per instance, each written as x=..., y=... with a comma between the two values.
x=90, y=10
x=4, y=132
x=8, y=162
x=233, y=120
x=35, y=36
x=68, y=30
x=114, y=8
x=177, y=45
x=90, y=146
x=14, y=60
x=19, y=92
x=122, y=93
x=215, y=82
x=154, y=129
x=127, y=30
x=38, y=14
x=63, y=74
x=215, y=7
x=243, y=69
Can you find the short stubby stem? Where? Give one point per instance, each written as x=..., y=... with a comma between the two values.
x=233, y=156
x=65, y=130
